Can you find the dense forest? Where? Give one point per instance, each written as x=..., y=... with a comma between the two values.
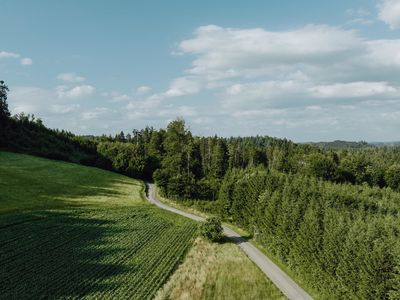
x=330, y=214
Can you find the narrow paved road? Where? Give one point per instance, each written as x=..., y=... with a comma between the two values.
x=288, y=287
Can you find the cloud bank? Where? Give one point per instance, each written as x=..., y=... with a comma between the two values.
x=315, y=82
x=389, y=12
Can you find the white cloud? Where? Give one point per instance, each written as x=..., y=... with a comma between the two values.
x=389, y=12
x=317, y=52
x=64, y=108
x=229, y=53
x=26, y=61
x=149, y=103
x=183, y=86
x=314, y=108
x=70, y=77
x=144, y=89
x=262, y=94
x=181, y=111
x=121, y=98
x=5, y=54
x=75, y=92
x=383, y=53
x=312, y=60
x=307, y=94
x=29, y=99
x=259, y=113
x=136, y=115
x=354, y=90
x=204, y=120
x=359, y=12
x=95, y=114
x=267, y=89
x=359, y=16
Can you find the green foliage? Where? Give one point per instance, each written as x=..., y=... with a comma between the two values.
x=392, y=176
x=208, y=188
x=27, y=134
x=321, y=165
x=219, y=161
x=212, y=229
x=342, y=240
x=126, y=158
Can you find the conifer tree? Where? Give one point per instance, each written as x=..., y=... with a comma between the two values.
x=4, y=112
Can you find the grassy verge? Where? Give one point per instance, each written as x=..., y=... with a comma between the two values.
x=218, y=271
x=181, y=205
x=187, y=207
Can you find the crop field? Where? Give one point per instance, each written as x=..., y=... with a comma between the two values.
x=110, y=245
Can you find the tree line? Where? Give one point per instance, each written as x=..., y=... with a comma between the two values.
x=186, y=166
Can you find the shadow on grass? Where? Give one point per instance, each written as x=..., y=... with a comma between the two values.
x=57, y=254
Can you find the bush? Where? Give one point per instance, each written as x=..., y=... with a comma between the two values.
x=212, y=229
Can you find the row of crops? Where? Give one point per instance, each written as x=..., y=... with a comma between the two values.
x=90, y=253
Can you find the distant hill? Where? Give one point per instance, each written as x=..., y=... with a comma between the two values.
x=381, y=144
x=342, y=144
x=338, y=144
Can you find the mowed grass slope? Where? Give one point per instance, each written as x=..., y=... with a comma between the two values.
x=69, y=231
x=29, y=182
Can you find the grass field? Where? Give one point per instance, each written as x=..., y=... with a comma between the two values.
x=29, y=182
x=68, y=231
x=218, y=271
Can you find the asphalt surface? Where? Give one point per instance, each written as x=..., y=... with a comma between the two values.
x=287, y=286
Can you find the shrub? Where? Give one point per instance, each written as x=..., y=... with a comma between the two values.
x=212, y=229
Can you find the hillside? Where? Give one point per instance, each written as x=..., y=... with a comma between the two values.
x=27, y=134
x=28, y=182
x=69, y=231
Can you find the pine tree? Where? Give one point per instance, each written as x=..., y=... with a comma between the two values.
x=4, y=112
x=219, y=160
x=351, y=259
x=307, y=245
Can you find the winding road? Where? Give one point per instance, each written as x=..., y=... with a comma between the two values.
x=288, y=287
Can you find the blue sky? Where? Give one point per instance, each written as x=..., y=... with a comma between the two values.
x=305, y=70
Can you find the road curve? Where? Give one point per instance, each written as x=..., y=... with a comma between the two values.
x=287, y=286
